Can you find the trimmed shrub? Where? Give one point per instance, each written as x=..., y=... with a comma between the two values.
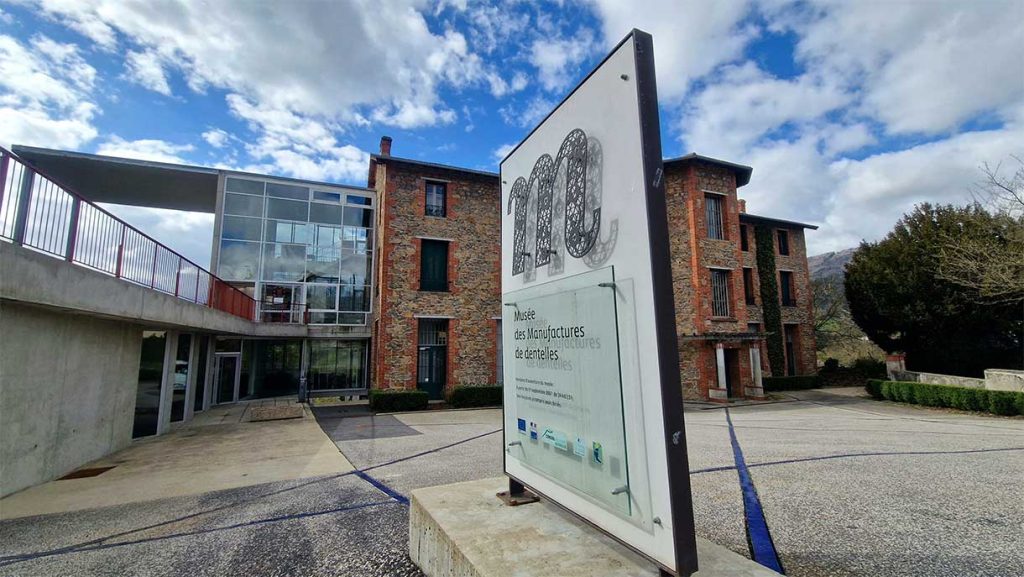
x=1003, y=402
x=796, y=383
x=397, y=400
x=831, y=365
x=466, y=396
x=947, y=396
x=874, y=388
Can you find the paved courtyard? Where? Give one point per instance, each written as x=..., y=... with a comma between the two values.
x=846, y=485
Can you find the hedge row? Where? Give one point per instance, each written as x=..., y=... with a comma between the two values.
x=797, y=383
x=963, y=398
x=397, y=400
x=476, y=396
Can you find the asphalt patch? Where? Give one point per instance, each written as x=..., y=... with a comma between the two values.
x=358, y=428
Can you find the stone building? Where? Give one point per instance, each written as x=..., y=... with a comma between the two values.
x=437, y=305
x=723, y=340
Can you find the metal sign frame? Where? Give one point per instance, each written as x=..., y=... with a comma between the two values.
x=667, y=350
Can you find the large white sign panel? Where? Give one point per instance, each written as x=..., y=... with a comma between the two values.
x=593, y=405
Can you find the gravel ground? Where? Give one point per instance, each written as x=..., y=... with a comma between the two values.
x=944, y=499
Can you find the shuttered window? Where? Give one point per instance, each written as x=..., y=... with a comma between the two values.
x=433, y=265
x=713, y=213
x=719, y=293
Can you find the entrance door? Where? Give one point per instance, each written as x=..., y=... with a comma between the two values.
x=790, y=331
x=431, y=365
x=732, y=369
x=226, y=375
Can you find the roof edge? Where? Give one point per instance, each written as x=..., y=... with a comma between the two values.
x=380, y=158
x=746, y=216
x=742, y=172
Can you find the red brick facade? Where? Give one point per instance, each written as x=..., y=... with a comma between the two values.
x=688, y=184
x=472, y=304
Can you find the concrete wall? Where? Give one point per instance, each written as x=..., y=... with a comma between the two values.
x=936, y=379
x=1004, y=380
x=67, y=391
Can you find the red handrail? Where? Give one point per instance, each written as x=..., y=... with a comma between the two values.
x=37, y=210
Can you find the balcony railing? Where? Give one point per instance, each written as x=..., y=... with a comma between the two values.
x=38, y=212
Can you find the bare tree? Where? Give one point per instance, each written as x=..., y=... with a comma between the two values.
x=987, y=254
x=832, y=322
x=1001, y=194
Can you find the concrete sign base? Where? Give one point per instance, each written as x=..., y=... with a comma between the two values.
x=461, y=530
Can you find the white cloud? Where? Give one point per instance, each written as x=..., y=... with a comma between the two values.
x=690, y=38
x=216, y=137
x=45, y=94
x=146, y=70
x=188, y=233
x=502, y=151
x=557, y=60
x=529, y=115
x=341, y=60
x=297, y=146
x=924, y=67
x=745, y=104
x=145, y=149
x=872, y=193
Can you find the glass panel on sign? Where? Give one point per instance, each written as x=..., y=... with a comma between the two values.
x=565, y=370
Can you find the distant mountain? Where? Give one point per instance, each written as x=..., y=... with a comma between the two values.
x=829, y=264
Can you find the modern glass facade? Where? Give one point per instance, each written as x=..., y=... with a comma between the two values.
x=307, y=249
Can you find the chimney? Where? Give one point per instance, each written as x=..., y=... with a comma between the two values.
x=385, y=146
x=743, y=206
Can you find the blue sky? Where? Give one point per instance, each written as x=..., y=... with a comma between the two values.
x=849, y=112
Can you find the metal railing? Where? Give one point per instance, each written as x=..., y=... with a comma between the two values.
x=292, y=313
x=38, y=212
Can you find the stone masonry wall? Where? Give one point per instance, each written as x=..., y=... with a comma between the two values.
x=472, y=226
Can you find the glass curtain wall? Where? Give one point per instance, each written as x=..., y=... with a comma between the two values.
x=336, y=364
x=277, y=365
x=307, y=249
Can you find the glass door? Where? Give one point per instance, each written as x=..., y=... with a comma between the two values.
x=226, y=375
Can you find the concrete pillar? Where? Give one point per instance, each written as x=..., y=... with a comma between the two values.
x=755, y=365
x=211, y=341
x=163, y=423
x=190, y=386
x=720, y=364
x=756, y=390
